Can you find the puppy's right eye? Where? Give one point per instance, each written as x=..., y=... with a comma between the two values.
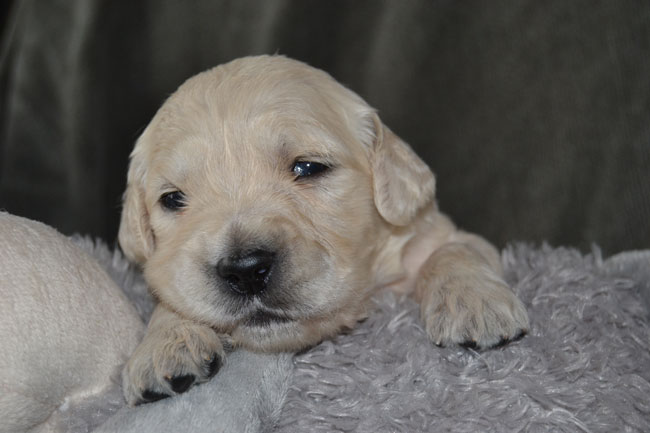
x=173, y=200
x=303, y=169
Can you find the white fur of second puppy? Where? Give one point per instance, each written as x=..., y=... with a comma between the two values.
x=65, y=326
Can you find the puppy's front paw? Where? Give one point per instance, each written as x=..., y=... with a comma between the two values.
x=170, y=360
x=472, y=312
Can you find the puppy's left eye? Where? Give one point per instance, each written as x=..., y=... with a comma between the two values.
x=173, y=200
x=308, y=168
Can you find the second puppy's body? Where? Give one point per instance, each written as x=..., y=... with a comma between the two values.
x=266, y=203
x=66, y=328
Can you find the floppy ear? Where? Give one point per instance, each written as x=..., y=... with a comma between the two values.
x=402, y=183
x=135, y=234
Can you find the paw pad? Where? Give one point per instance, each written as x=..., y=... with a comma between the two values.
x=149, y=396
x=469, y=344
x=214, y=365
x=180, y=384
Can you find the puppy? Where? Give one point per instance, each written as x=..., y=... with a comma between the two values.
x=66, y=329
x=266, y=203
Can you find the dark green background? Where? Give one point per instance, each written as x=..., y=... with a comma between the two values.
x=534, y=115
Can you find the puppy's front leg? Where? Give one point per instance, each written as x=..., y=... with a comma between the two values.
x=464, y=299
x=175, y=354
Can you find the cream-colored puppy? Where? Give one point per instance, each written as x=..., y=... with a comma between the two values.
x=65, y=326
x=266, y=202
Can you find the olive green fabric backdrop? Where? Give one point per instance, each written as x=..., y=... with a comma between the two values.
x=535, y=116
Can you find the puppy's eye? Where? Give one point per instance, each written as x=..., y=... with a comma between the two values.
x=173, y=200
x=308, y=168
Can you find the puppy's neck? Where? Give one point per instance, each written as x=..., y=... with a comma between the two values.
x=407, y=248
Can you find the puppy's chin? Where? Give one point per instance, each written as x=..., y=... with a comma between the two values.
x=266, y=332
x=264, y=335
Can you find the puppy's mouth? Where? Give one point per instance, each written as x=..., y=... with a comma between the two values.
x=262, y=318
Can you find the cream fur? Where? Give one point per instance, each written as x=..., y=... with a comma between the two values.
x=227, y=139
x=65, y=327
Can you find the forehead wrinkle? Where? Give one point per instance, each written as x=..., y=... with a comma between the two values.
x=217, y=163
x=233, y=170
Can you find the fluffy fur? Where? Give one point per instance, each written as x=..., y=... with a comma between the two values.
x=65, y=327
x=225, y=144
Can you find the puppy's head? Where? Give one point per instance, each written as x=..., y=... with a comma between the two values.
x=259, y=197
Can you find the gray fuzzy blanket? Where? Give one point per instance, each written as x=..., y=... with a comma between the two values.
x=585, y=365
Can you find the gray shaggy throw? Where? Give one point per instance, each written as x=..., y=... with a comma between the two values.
x=585, y=365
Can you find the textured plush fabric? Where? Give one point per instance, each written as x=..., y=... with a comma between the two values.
x=635, y=263
x=585, y=366
x=533, y=114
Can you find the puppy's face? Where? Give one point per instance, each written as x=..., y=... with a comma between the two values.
x=259, y=197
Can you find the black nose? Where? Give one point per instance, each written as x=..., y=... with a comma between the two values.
x=247, y=274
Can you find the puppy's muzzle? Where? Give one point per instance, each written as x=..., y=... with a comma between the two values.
x=247, y=274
